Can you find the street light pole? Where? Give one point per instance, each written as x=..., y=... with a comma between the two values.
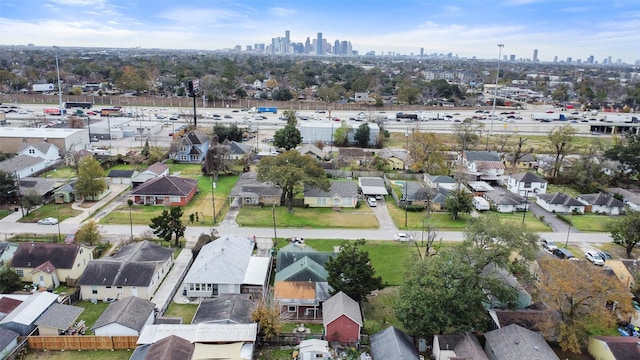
x=495, y=96
x=57, y=218
x=213, y=197
x=526, y=202
x=406, y=190
x=59, y=84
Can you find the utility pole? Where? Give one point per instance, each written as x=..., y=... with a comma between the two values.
x=495, y=96
x=213, y=196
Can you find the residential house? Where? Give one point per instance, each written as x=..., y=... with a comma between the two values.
x=122, y=176
x=311, y=150
x=58, y=319
x=65, y=194
x=434, y=181
x=45, y=150
x=363, y=97
x=560, y=203
x=505, y=202
x=535, y=317
x=226, y=266
x=8, y=342
x=546, y=164
x=155, y=170
x=624, y=270
x=165, y=191
x=523, y=297
x=135, y=270
x=392, y=343
x=239, y=150
x=526, y=161
x=171, y=347
x=225, y=309
x=9, y=302
x=125, y=317
x=602, y=203
x=372, y=186
x=482, y=165
x=629, y=198
x=416, y=194
x=515, y=342
x=397, y=159
x=40, y=186
x=251, y=192
x=7, y=249
x=342, y=194
x=243, y=335
x=300, y=299
x=23, y=166
x=526, y=184
x=191, y=147
x=458, y=346
x=342, y=319
x=614, y=347
x=610, y=167
x=313, y=349
x=23, y=318
x=49, y=264
x=353, y=156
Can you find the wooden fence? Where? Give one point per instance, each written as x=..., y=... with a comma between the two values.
x=71, y=342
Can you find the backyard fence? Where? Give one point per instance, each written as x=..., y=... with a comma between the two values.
x=70, y=342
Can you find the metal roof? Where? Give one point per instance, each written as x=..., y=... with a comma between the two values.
x=222, y=261
x=30, y=309
x=257, y=270
x=207, y=333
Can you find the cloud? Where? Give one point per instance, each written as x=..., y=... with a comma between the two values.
x=92, y=3
x=281, y=12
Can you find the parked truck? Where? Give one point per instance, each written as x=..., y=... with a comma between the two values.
x=548, y=117
x=620, y=118
x=265, y=109
x=426, y=116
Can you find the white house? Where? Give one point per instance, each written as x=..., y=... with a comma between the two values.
x=45, y=150
x=560, y=203
x=602, y=203
x=526, y=184
x=312, y=349
x=125, y=317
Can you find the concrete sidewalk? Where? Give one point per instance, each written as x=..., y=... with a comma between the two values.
x=116, y=190
x=163, y=296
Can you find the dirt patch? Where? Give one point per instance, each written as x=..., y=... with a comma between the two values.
x=87, y=204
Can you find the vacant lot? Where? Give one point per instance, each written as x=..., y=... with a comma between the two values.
x=61, y=212
x=590, y=222
x=362, y=218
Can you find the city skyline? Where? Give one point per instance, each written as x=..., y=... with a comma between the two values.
x=466, y=29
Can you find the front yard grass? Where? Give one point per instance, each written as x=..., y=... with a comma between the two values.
x=63, y=211
x=590, y=222
x=362, y=218
x=91, y=313
x=184, y=311
x=65, y=172
x=415, y=219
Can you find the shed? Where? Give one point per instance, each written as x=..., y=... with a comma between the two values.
x=342, y=319
x=125, y=317
x=122, y=176
x=392, y=343
x=58, y=319
x=8, y=342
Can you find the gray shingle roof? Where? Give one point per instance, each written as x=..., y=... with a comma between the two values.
x=304, y=269
x=344, y=189
x=166, y=185
x=59, y=316
x=143, y=251
x=528, y=177
x=41, y=146
x=157, y=168
x=392, y=343
x=131, y=312
x=601, y=199
x=6, y=337
x=222, y=261
x=19, y=162
x=472, y=156
x=226, y=308
x=122, y=173
x=338, y=305
x=31, y=255
x=171, y=347
x=117, y=273
x=560, y=198
x=286, y=258
x=516, y=342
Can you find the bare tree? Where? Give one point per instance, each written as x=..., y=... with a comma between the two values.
x=518, y=153
x=561, y=139
x=468, y=134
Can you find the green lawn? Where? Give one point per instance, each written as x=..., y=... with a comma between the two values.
x=530, y=221
x=590, y=222
x=289, y=327
x=4, y=213
x=362, y=218
x=61, y=211
x=184, y=311
x=78, y=355
x=415, y=219
x=91, y=313
x=63, y=172
x=379, y=311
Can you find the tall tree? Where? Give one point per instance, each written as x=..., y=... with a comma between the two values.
x=459, y=201
x=468, y=134
x=626, y=152
x=90, y=180
x=351, y=272
x=168, y=224
x=519, y=152
x=89, y=233
x=362, y=135
x=341, y=134
x=561, y=139
x=216, y=160
x=30, y=200
x=292, y=172
x=7, y=185
x=9, y=280
x=287, y=138
x=268, y=319
x=581, y=294
x=625, y=230
x=426, y=153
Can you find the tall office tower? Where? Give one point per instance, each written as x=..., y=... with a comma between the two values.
x=248, y=48
x=307, y=46
x=319, y=44
x=555, y=59
x=590, y=59
x=512, y=58
x=346, y=48
x=287, y=42
x=609, y=62
x=421, y=52
x=569, y=60
x=535, y=55
x=337, y=49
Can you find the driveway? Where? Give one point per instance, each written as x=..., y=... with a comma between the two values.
x=382, y=214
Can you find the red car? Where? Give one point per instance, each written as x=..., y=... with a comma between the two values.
x=92, y=113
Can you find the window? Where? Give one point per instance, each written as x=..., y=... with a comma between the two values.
x=108, y=286
x=527, y=185
x=32, y=151
x=291, y=309
x=215, y=290
x=20, y=272
x=94, y=289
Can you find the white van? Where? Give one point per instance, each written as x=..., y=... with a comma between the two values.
x=481, y=204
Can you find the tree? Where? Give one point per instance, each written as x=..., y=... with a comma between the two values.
x=518, y=153
x=426, y=153
x=625, y=230
x=9, y=280
x=217, y=159
x=586, y=174
x=341, y=134
x=287, y=138
x=72, y=159
x=30, y=200
x=293, y=173
x=351, y=272
x=626, y=152
x=459, y=201
x=561, y=139
x=409, y=94
x=467, y=133
x=227, y=132
x=581, y=294
x=7, y=184
x=89, y=233
x=268, y=319
x=362, y=135
x=90, y=180
x=282, y=94
x=168, y=224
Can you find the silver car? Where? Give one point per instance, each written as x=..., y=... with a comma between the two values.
x=48, y=221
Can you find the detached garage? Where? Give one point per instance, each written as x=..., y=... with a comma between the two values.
x=122, y=176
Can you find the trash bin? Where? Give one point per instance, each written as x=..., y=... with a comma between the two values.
x=16, y=209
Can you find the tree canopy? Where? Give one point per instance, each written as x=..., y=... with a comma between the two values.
x=168, y=224
x=626, y=152
x=7, y=184
x=9, y=280
x=89, y=233
x=362, y=135
x=625, y=230
x=459, y=201
x=292, y=172
x=287, y=138
x=352, y=273
x=561, y=139
x=90, y=180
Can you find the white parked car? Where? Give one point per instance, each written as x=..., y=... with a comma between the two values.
x=594, y=257
x=48, y=221
x=372, y=201
x=402, y=237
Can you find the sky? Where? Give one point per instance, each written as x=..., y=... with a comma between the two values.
x=465, y=28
